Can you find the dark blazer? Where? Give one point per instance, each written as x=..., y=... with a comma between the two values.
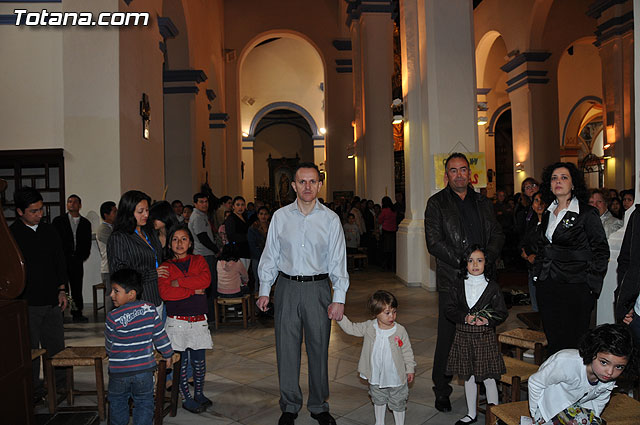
x=457, y=308
x=130, y=251
x=579, y=252
x=445, y=235
x=45, y=264
x=237, y=233
x=83, y=237
x=629, y=267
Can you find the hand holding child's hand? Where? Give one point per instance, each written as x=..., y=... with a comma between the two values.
x=163, y=271
x=169, y=361
x=410, y=377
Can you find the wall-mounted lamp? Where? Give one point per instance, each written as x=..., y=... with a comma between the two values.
x=351, y=156
x=322, y=130
x=351, y=151
x=608, y=151
x=245, y=134
x=482, y=120
x=398, y=111
x=611, y=133
x=519, y=167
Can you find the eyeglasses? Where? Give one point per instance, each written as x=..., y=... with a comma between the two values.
x=530, y=186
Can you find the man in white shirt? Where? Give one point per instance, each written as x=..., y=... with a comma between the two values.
x=305, y=247
x=609, y=222
x=108, y=212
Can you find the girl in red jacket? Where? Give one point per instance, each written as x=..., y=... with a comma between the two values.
x=182, y=281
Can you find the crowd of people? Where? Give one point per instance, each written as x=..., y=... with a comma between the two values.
x=164, y=263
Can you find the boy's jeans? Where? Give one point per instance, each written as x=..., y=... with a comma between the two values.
x=139, y=387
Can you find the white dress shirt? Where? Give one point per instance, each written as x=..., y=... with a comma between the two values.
x=474, y=286
x=305, y=245
x=554, y=221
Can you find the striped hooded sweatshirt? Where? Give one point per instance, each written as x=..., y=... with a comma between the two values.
x=130, y=333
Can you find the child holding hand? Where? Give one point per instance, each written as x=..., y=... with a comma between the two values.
x=476, y=306
x=572, y=381
x=386, y=360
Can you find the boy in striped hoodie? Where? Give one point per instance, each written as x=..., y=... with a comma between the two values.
x=131, y=331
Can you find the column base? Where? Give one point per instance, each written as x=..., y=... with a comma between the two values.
x=414, y=266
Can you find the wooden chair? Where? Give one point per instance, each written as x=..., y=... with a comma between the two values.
x=96, y=287
x=524, y=339
x=166, y=405
x=247, y=308
x=69, y=358
x=514, y=380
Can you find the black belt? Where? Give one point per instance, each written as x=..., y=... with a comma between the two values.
x=305, y=278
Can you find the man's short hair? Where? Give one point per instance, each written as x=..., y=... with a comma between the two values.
x=351, y=215
x=307, y=165
x=106, y=208
x=26, y=196
x=129, y=280
x=455, y=155
x=199, y=195
x=75, y=196
x=176, y=202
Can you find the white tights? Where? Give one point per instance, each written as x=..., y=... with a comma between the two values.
x=471, y=394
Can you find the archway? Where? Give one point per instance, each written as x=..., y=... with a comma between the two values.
x=283, y=74
x=504, y=153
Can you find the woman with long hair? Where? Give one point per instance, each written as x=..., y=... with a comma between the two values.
x=134, y=245
x=572, y=257
x=257, y=236
x=236, y=227
x=529, y=243
x=162, y=218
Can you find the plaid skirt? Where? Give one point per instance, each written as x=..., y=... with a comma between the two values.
x=475, y=352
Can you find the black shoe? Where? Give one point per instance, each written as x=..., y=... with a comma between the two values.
x=80, y=319
x=193, y=407
x=287, y=418
x=443, y=404
x=324, y=418
x=471, y=421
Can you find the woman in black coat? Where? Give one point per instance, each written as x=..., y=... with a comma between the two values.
x=572, y=257
x=236, y=227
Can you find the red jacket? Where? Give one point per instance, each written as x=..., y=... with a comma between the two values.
x=197, y=277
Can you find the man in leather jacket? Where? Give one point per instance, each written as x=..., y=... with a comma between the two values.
x=456, y=218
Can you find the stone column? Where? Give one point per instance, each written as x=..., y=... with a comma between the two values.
x=358, y=123
x=439, y=91
x=604, y=309
x=376, y=60
x=534, y=139
x=614, y=39
x=246, y=173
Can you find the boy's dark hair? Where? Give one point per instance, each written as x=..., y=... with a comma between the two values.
x=610, y=338
x=455, y=155
x=238, y=198
x=199, y=195
x=26, y=196
x=106, y=208
x=176, y=202
x=380, y=300
x=188, y=207
x=229, y=252
x=185, y=228
x=129, y=280
x=306, y=165
x=489, y=267
x=351, y=215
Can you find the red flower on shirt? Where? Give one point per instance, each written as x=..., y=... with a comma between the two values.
x=398, y=341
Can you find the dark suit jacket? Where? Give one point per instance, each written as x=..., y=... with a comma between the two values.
x=629, y=267
x=83, y=237
x=579, y=252
x=445, y=235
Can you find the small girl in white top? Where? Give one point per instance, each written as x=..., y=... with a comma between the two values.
x=582, y=378
x=386, y=360
x=476, y=306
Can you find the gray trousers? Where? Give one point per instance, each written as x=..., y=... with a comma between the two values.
x=301, y=308
x=46, y=331
x=108, y=302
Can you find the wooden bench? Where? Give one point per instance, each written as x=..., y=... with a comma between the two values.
x=621, y=410
x=524, y=339
x=355, y=261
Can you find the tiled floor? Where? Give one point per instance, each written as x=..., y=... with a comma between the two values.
x=242, y=375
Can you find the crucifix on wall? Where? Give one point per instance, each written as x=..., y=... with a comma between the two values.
x=204, y=155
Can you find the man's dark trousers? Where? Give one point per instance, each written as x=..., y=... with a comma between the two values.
x=446, y=332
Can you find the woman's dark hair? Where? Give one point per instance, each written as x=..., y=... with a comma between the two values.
x=185, y=228
x=386, y=202
x=629, y=192
x=262, y=208
x=380, y=300
x=579, y=187
x=489, y=267
x=162, y=211
x=125, y=220
x=620, y=213
x=229, y=253
x=238, y=198
x=615, y=339
x=224, y=199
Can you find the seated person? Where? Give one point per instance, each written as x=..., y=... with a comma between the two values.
x=232, y=275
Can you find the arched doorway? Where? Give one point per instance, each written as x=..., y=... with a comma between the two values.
x=282, y=139
x=504, y=153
